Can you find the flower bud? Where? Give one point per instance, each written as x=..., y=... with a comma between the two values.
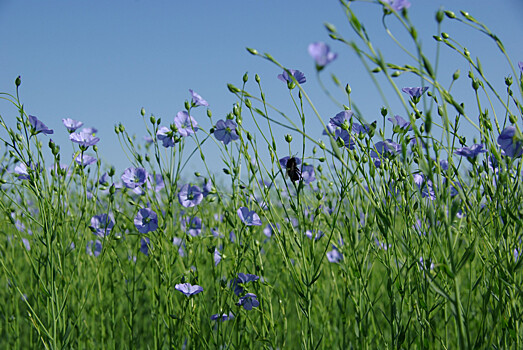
x=248, y=103
x=513, y=119
x=142, y=112
x=288, y=138
x=445, y=36
x=257, y=78
x=384, y=112
x=348, y=90
x=187, y=105
x=152, y=119
x=508, y=81
x=252, y=51
x=18, y=81
x=439, y=16
x=245, y=77
x=450, y=14
x=455, y=76
x=233, y=88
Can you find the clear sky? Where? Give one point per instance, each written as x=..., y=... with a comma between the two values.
x=102, y=61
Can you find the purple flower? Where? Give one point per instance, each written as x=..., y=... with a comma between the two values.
x=342, y=117
x=97, y=245
x=299, y=76
x=165, y=135
x=470, y=152
x=322, y=54
x=185, y=124
x=207, y=188
x=330, y=129
x=84, y=139
x=85, y=159
x=197, y=100
x=179, y=243
x=155, y=182
x=193, y=226
x=347, y=138
x=508, y=143
x=249, y=301
x=317, y=236
x=520, y=65
x=27, y=246
x=146, y=220
x=307, y=174
x=21, y=171
x=384, y=147
x=415, y=92
x=400, y=122
x=71, y=124
x=424, y=265
x=217, y=257
x=134, y=177
x=382, y=245
x=190, y=196
x=425, y=186
x=188, y=289
x=223, y=317
x=398, y=5
x=249, y=218
x=246, y=277
x=270, y=229
x=90, y=131
x=145, y=245
x=38, y=126
x=334, y=256
x=226, y=131
x=102, y=224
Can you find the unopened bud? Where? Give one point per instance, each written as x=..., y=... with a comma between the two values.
x=18, y=81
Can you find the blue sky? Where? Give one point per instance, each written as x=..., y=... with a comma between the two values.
x=102, y=61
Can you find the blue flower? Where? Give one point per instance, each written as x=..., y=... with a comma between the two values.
x=145, y=245
x=470, y=152
x=193, y=226
x=97, y=245
x=102, y=224
x=38, y=126
x=197, y=100
x=398, y=5
x=508, y=143
x=146, y=220
x=84, y=139
x=249, y=301
x=223, y=317
x=167, y=136
x=226, y=131
x=400, y=122
x=334, y=256
x=217, y=257
x=190, y=196
x=85, y=159
x=415, y=92
x=249, y=218
x=342, y=117
x=134, y=177
x=188, y=289
x=321, y=54
x=185, y=124
x=72, y=124
x=286, y=78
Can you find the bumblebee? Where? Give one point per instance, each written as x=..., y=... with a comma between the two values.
x=293, y=170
